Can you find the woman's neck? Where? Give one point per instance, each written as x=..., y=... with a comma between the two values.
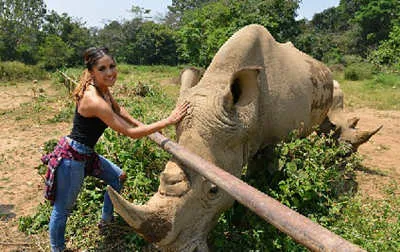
x=103, y=90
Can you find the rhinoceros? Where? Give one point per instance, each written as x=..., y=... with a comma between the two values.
x=253, y=94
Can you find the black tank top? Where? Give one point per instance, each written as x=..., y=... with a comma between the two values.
x=87, y=130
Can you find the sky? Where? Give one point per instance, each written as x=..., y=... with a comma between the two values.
x=100, y=12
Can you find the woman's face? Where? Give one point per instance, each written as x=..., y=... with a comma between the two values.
x=105, y=72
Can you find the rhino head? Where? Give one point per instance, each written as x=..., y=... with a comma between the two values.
x=254, y=93
x=345, y=129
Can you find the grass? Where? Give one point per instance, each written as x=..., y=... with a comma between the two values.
x=382, y=92
x=374, y=224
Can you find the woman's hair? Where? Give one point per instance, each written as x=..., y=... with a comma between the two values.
x=90, y=57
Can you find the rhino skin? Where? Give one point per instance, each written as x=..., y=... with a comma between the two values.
x=254, y=92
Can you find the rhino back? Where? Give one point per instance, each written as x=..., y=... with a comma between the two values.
x=295, y=90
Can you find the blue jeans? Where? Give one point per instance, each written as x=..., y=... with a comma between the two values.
x=69, y=179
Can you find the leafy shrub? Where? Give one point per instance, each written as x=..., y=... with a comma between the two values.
x=313, y=176
x=332, y=57
x=359, y=71
x=54, y=52
x=17, y=71
x=389, y=50
x=385, y=80
x=351, y=59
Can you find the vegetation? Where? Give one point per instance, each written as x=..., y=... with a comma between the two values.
x=17, y=71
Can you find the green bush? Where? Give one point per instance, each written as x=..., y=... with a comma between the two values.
x=359, y=71
x=314, y=176
x=17, y=71
x=332, y=57
x=388, y=52
x=385, y=80
x=351, y=59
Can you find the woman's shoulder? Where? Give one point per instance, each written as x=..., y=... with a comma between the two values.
x=91, y=95
x=91, y=102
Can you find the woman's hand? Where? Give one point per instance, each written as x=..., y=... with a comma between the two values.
x=178, y=113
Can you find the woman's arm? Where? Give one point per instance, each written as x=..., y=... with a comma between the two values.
x=95, y=106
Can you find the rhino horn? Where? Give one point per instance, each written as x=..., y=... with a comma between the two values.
x=151, y=225
x=363, y=136
x=132, y=214
x=353, y=122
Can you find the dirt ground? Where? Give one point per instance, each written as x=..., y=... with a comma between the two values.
x=21, y=139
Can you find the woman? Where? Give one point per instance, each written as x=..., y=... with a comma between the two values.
x=73, y=157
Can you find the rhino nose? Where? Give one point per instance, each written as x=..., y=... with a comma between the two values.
x=173, y=181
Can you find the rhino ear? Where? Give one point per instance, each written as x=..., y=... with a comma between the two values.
x=190, y=77
x=243, y=88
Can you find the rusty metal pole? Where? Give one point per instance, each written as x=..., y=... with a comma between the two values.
x=300, y=228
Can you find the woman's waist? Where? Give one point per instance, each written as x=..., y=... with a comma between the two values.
x=78, y=146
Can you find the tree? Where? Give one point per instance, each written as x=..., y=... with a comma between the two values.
x=113, y=36
x=54, y=52
x=376, y=20
x=20, y=22
x=388, y=52
x=72, y=33
x=179, y=7
x=153, y=44
x=203, y=30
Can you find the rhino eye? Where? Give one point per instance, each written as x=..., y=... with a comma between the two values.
x=213, y=189
x=210, y=193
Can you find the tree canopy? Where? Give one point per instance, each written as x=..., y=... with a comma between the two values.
x=192, y=31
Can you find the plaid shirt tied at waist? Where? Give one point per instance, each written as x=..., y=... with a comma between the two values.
x=53, y=160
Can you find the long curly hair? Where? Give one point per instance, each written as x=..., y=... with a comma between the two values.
x=91, y=56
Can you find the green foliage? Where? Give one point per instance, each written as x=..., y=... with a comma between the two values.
x=380, y=92
x=65, y=114
x=313, y=175
x=376, y=19
x=179, y=7
x=359, y=71
x=153, y=44
x=388, y=52
x=352, y=59
x=17, y=71
x=204, y=30
x=383, y=80
x=20, y=22
x=54, y=53
x=332, y=33
x=37, y=223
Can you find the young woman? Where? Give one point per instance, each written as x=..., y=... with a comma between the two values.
x=73, y=158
